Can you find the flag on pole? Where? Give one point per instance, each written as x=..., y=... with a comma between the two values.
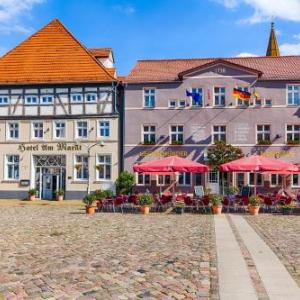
x=243, y=95
x=195, y=96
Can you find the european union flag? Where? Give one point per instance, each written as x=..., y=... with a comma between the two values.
x=195, y=96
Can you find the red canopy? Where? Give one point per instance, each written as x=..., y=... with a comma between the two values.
x=170, y=164
x=256, y=163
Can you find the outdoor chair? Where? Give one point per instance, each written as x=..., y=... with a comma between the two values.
x=130, y=204
x=226, y=204
x=204, y=204
x=268, y=204
x=118, y=203
x=189, y=203
x=243, y=204
x=158, y=205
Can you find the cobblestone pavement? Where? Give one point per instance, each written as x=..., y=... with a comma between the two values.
x=60, y=253
x=282, y=234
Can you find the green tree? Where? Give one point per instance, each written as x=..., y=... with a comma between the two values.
x=125, y=182
x=222, y=153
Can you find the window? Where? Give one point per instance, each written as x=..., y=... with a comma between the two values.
x=268, y=102
x=184, y=179
x=241, y=102
x=240, y=179
x=46, y=99
x=163, y=180
x=172, y=104
x=149, y=134
x=82, y=129
x=263, y=134
x=213, y=177
x=81, y=167
x=149, y=98
x=76, y=98
x=3, y=100
x=31, y=100
x=182, y=104
x=60, y=130
x=293, y=94
x=176, y=136
x=258, y=102
x=143, y=179
x=13, y=130
x=276, y=180
x=198, y=100
x=104, y=128
x=219, y=93
x=38, y=130
x=293, y=133
x=104, y=167
x=219, y=133
x=91, y=97
x=296, y=180
x=259, y=179
x=12, y=167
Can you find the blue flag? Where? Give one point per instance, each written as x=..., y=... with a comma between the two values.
x=195, y=96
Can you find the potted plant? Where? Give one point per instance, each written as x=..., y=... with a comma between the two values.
x=216, y=202
x=89, y=200
x=264, y=142
x=60, y=195
x=125, y=183
x=254, y=204
x=145, y=201
x=232, y=190
x=179, y=207
x=32, y=194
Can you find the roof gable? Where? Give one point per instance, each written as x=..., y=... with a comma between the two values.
x=51, y=55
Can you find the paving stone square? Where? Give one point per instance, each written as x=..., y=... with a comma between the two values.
x=57, y=252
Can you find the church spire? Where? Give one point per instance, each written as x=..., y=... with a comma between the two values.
x=273, y=49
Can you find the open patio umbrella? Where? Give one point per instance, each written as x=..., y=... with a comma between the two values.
x=170, y=165
x=258, y=164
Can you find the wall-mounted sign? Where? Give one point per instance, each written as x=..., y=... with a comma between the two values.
x=278, y=154
x=25, y=182
x=49, y=148
x=160, y=154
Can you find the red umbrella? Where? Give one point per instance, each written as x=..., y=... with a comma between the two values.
x=171, y=164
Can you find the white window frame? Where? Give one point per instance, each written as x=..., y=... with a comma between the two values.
x=241, y=102
x=180, y=102
x=33, y=137
x=99, y=129
x=86, y=164
x=184, y=179
x=2, y=97
x=105, y=163
x=258, y=174
x=293, y=91
x=149, y=132
x=263, y=132
x=27, y=97
x=210, y=178
x=219, y=133
x=219, y=95
x=196, y=89
x=47, y=102
x=8, y=137
x=177, y=133
x=292, y=183
x=76, y=130
x=293, y=132
x=91, y=94
x=268, y=105
x=150, y=95
x=277, y=180
x=55, y=128
x=76, y=95
x=172, y=107
x=143, y=183
x=6, y=167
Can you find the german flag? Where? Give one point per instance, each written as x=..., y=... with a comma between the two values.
x=243, y=95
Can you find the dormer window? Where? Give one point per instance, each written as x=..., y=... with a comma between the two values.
x=4, y=100
x=172, y=104
x=46, y=99
x=182, y=104
x=293, y=94
x=197, y=97
x=268, y=102
x=91, y=97
x=219, y=96
x=31, y=100
x=76, y=98
x=149, y=98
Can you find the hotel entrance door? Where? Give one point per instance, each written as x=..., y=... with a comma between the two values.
x=47, y=192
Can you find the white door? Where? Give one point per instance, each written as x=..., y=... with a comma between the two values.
x=213, y=182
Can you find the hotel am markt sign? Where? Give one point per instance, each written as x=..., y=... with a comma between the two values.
x=49, y=148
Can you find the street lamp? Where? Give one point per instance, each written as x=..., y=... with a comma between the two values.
x=89, y=147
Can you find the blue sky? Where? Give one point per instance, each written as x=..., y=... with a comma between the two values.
x=144, y=29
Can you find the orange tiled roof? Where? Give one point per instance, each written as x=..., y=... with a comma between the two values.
x=100, y=52
x=272, y=68
x=51, y=55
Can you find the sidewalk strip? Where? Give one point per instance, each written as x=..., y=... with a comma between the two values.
x=234, y=278
x=277, y=281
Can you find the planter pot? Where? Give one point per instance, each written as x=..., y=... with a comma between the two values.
x=31, y=197
x=59, y=197
x=217, y=210
x=90, y=210
x=179, y=210
x=253, y=210
x=145, y=209
x=287, y=211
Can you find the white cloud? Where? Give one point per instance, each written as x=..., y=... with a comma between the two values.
x=246, y=54
x=12, y=14
x=297, y=36
x=125, y=9
x=265, y=10
x=290, y=49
